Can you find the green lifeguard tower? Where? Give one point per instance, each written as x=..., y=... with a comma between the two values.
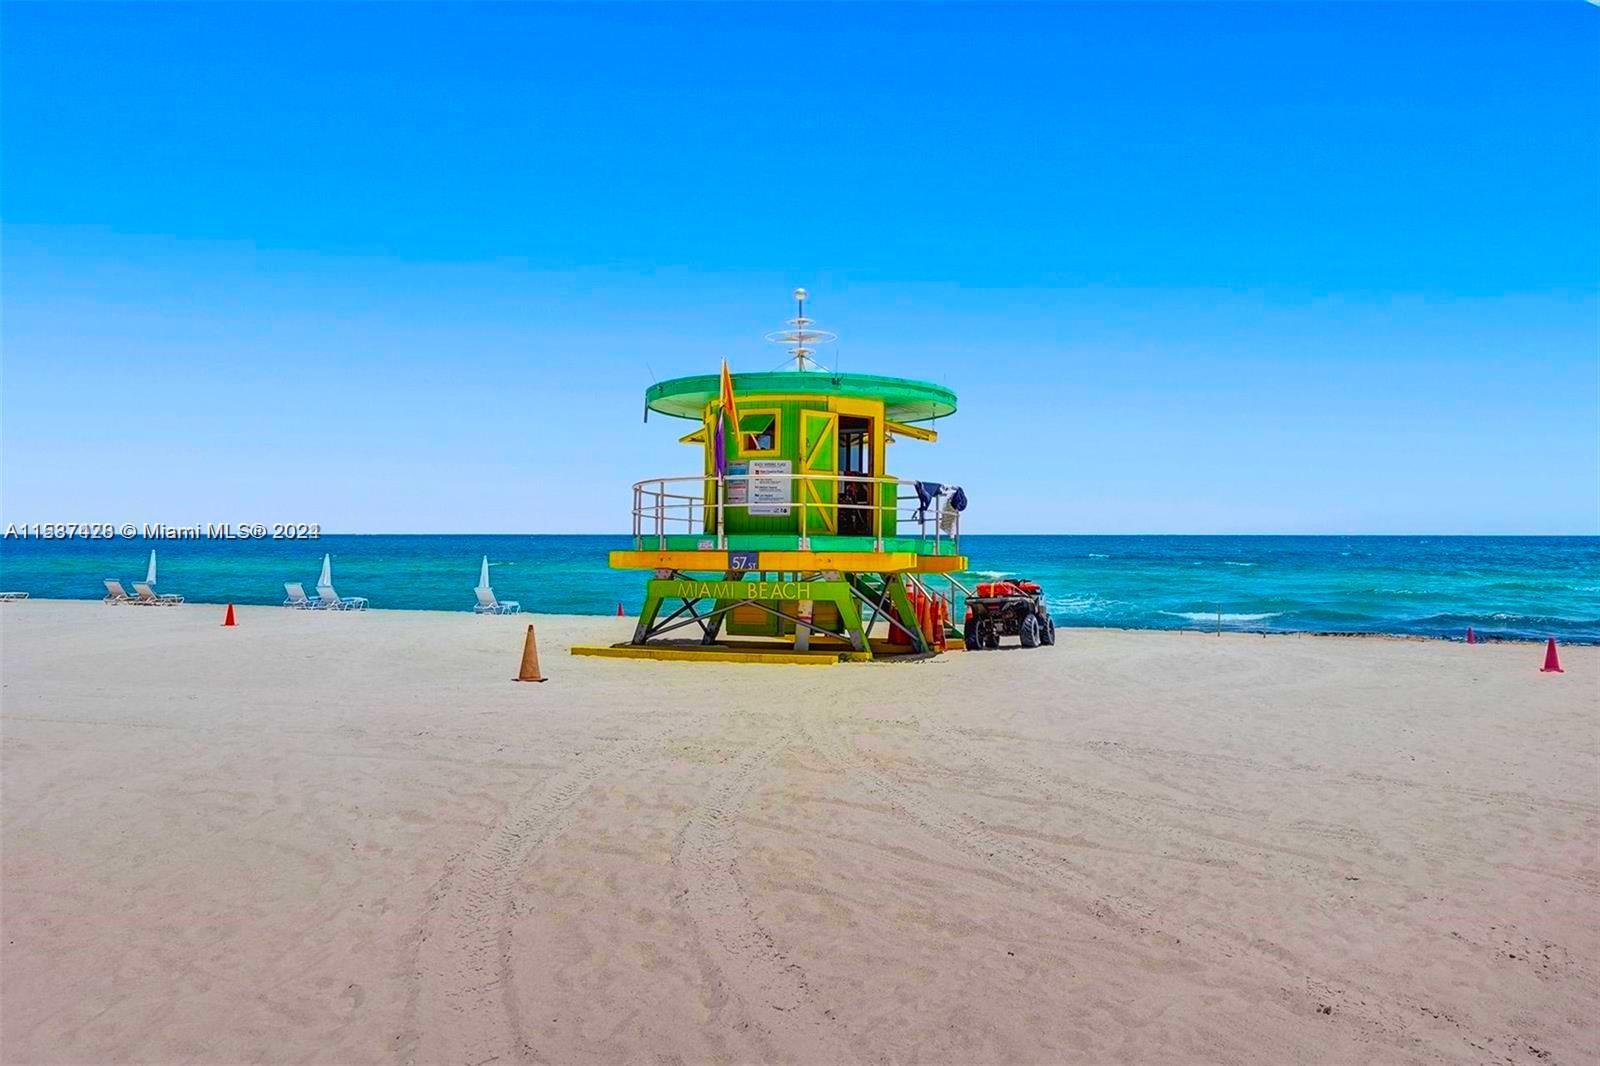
x=799, y=545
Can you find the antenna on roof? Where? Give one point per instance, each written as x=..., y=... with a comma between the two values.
x=801, y=339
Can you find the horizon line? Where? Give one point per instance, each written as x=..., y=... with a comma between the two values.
x=524, y=533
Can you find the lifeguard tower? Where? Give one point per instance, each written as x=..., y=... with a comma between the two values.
x=798, y=546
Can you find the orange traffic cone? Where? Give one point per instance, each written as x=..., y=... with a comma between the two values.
x=1552, y=663
x=530, y=660
x=619, y=608
x=227, y=619
x=1472, y=638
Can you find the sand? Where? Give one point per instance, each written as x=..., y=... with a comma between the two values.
x=351, y=838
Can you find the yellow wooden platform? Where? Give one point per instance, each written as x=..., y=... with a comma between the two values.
x=792, y=562
x=717, y=653
x=830, y=652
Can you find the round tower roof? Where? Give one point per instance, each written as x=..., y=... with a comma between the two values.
x=904, y=400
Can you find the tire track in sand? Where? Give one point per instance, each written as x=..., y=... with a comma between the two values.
x=769, y=994
x=1393, y=1021
x=996, y=852
x=462, y=1002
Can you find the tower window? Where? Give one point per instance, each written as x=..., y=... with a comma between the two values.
x=758, y=431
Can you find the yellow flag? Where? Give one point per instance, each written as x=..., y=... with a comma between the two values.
x=730, y=410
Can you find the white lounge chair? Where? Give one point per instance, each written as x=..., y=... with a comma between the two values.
x=12, y=597
x=115, y=593
x=329, y=600
x=149, y=597
x=487, y=604
x=297, y=597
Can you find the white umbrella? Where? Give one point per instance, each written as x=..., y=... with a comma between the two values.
x=150, y=573
x=483, y=574
x=326, y=580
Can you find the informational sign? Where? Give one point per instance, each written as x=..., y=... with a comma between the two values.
x=744, y=560
x=738, y=485
x=769, y=495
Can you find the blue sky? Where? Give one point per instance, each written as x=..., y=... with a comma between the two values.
x=1288, y=268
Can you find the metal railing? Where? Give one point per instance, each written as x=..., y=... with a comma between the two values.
x=956, y=596
x=699, y=504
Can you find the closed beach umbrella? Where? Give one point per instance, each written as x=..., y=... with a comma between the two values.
x=483, y=574
x=150, y=572
x=326, y=580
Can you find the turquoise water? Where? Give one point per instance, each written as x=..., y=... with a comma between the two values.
x=1507, y=587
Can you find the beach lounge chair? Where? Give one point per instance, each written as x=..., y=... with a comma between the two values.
x=487, y=604
x=115, y=593
x=297, y=597
x=12, y=597
x=148, y=596
x=329, y=600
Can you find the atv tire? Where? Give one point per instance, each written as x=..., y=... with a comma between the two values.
x=972, y=635
x=1028, y=631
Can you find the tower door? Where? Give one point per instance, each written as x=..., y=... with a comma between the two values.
x=819, y=455
x=855, y=459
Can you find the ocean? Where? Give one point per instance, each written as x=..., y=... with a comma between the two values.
x=1526, y=588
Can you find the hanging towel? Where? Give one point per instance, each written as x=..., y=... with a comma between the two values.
x=955, y=503
x=927, y=492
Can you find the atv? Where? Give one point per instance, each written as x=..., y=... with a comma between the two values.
x=1006, y=609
